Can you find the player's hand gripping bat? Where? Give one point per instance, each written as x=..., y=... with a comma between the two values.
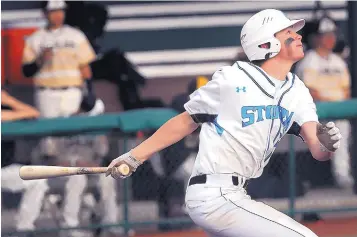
x=126, y=159
x=329, y=136
x=30, y=172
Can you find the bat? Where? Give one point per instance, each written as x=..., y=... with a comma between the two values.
x=30, y=172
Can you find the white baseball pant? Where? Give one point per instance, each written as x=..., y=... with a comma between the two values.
x=53, y=103
x=74, y=191
x=32, y=198
x=341, y=162
x=108, y=203
x=225, y=210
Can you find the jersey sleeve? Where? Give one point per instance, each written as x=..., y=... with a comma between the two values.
x=29, y=54
x=306, y=109
x=345, y=77
x=85, y=52
x=204, y=102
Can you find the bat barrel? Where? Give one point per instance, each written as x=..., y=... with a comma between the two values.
x=30, y=172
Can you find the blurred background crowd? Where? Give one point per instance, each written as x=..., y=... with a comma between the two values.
x=89, y=58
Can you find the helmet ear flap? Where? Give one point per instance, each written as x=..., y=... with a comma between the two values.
x=259, y=51
x=274, y=49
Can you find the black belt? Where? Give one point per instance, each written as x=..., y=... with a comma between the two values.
x=202, y=179
x=57, y=88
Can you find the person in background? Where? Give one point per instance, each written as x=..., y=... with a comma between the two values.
x=83, y=151
x=182, y=169
x=90, y=151
x=326, y=75
x=33, y=190
x=57, y=57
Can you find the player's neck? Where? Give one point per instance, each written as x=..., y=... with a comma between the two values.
x=53, y=26
x=322, y=52
x=277, y=68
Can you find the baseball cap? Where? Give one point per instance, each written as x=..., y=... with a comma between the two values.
x=261, y=28
x=52, y=5
x=325, y=25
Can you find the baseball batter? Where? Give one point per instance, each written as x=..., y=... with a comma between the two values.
x=244, y=111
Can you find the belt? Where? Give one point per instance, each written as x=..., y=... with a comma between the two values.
x=202, y=179
x=57, y=88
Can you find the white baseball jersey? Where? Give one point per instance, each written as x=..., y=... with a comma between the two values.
x=328, y=76
x=71, y=50
x=244, y=113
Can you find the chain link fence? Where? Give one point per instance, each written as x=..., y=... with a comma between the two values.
x=153, y=198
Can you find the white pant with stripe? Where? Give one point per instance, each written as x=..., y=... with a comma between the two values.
x=222, y=209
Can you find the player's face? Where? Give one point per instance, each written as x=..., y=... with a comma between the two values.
x=327, y=41
x=56, y=17
x=291, y=45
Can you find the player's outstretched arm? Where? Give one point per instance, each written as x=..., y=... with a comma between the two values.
x=322, y=140
x=171, y=132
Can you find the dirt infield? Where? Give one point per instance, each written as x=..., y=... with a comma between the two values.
x=328, y=228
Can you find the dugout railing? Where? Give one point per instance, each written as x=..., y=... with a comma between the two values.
x=128, y=123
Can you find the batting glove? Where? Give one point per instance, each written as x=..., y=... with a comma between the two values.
x=127, y=159
x=329, y=136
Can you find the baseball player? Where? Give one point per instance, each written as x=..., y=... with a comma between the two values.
x=84, y=151
x=57, y=57
x=33, y=190
x=244, y=111
x=326, y=75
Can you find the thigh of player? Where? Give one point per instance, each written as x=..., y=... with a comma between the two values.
x=11, y=181
x=232, y=215
x=48, y=102
x=71, y=99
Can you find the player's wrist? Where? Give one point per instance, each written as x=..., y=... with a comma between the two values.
x=132, y=160
x=137, y=156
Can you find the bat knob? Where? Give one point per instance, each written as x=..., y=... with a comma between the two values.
x=124, y=169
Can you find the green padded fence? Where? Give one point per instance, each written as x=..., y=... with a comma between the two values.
x=126, y=122
x=151, y=119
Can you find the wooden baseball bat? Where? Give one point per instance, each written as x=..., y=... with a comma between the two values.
x=30, y=172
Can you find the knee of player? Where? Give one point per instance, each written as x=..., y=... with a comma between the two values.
x=38, y=185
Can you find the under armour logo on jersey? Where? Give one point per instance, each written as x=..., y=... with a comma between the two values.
x=267, y=19
x=239, y=89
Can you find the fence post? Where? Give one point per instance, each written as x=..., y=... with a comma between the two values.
x=292, y=177
x=126, y=196
x=352, y=33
